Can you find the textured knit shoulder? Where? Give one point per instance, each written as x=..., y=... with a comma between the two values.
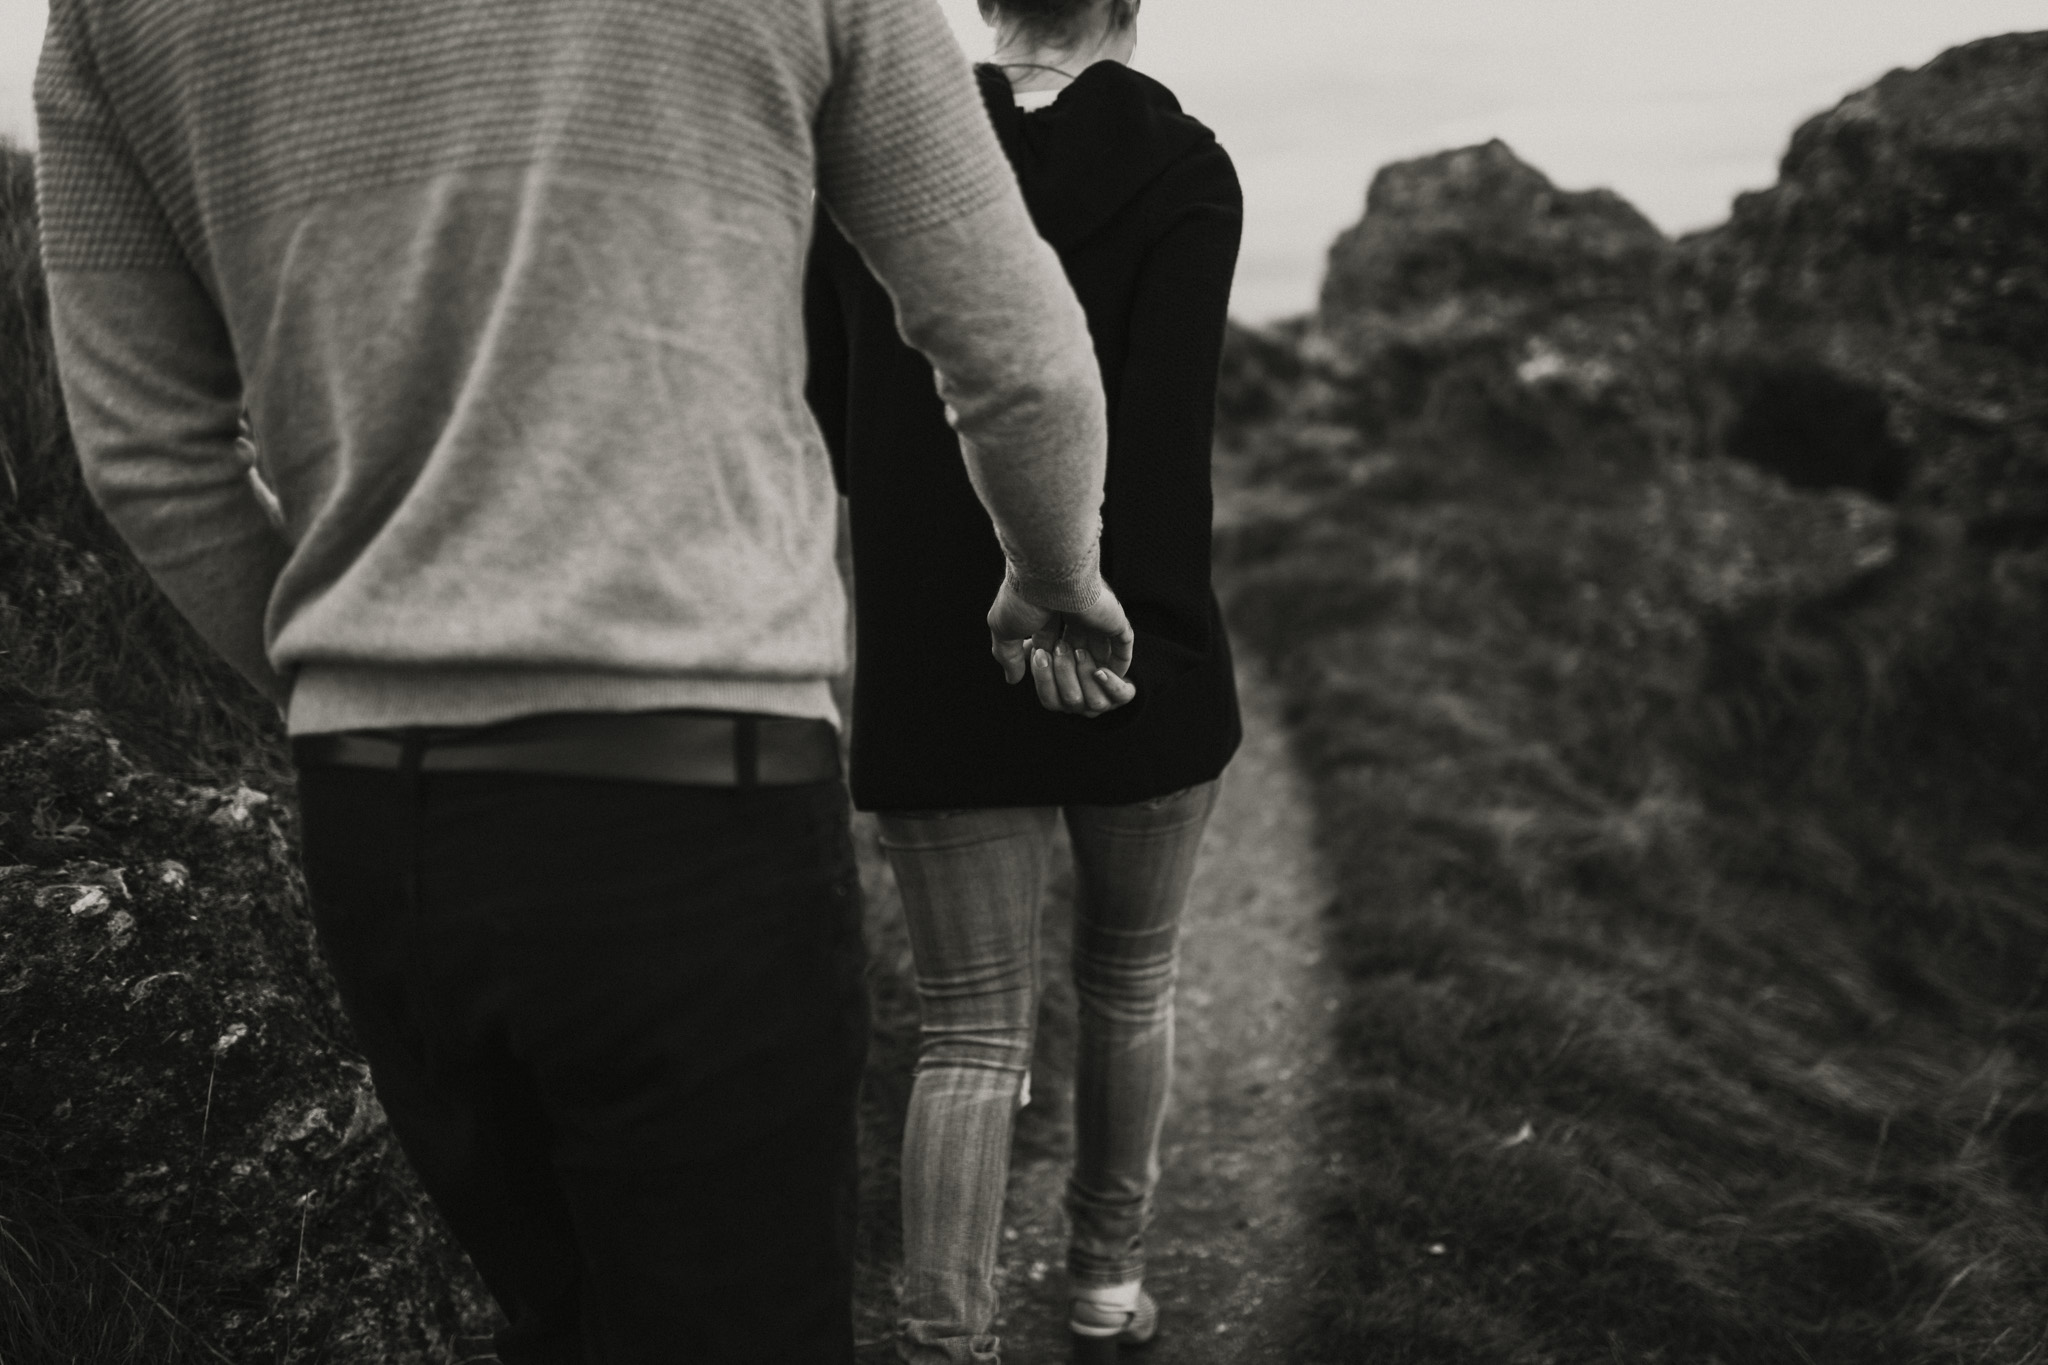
x=920, y=123
x=96, y=207
x=232, y=111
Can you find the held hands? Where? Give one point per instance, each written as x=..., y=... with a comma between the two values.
x=1077, y=660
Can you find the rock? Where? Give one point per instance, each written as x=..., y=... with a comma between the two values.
x=1474, y=246
x=1877, y=318
x=1478, y=297
x=1873, y=322
x=174, y=1057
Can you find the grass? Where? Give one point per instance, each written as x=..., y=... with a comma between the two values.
x=65, y=1296
x=1694, y=900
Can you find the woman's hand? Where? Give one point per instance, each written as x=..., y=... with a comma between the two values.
x=1077, y=660
x=1068, y=679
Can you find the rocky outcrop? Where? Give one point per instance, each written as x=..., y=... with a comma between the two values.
x=1474, y=246
x=1477, y=295
x=1874, y=321
x=1878, y=318
x=1872, y=327
x=173, y=1055
x=1877, y=321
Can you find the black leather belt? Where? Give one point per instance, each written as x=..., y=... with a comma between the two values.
x=691, y=748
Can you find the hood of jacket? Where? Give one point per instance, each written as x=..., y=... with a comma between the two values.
x=1083, y=157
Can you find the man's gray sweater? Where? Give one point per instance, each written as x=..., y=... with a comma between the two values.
x=511, y=295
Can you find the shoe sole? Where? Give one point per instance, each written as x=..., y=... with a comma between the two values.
x=1104, y=1350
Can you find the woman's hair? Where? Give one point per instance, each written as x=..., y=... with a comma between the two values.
x=1057, y=20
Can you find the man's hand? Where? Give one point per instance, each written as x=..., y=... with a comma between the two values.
x=1077, y=660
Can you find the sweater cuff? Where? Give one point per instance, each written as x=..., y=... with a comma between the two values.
x=1073, y=588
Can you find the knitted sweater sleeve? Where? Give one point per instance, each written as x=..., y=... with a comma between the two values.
x=910, y=170
x=149, y=375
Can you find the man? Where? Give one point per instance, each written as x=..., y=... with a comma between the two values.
x=510, y=293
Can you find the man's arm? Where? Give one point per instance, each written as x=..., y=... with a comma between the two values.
x=149, y=375
x=911, y=172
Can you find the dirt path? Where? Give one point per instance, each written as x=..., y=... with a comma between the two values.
x=1232, y=1245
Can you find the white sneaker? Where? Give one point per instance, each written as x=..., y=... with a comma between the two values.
x=1124, y=1313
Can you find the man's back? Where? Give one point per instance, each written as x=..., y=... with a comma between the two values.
x=513, y=292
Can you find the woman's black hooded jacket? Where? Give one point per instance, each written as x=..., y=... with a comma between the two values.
x=1143, y=207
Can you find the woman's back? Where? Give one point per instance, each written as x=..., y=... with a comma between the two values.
x=1143, y=207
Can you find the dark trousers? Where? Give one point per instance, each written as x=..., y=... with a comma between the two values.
x=619, y=1029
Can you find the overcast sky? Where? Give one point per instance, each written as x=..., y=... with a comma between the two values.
x=1677, y=104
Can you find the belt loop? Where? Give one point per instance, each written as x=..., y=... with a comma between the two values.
x=412, y=751
x=746, y=750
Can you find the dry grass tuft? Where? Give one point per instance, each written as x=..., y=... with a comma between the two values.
x=64, y=1296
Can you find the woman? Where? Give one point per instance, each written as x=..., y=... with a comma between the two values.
x=970, y=776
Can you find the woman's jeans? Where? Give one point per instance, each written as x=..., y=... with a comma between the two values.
x=973, y=883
